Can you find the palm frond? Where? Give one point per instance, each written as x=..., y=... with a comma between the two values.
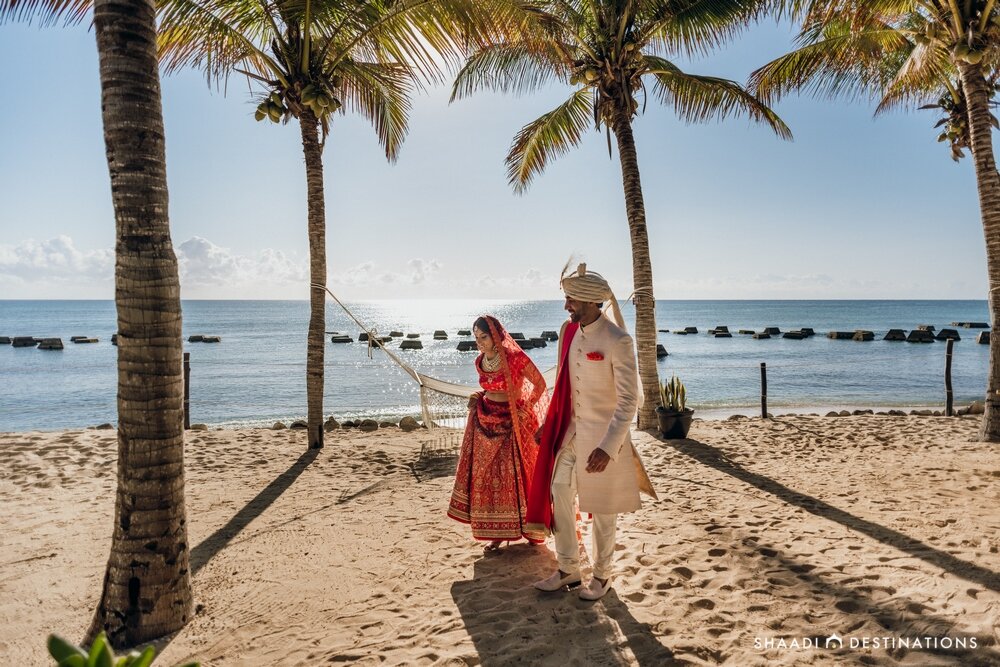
x=425, y=33
x=431, y=35
x=701, y=98
x=695, y=27
x=518, y=68
x=843, y=62
x=549, y=136
x=218, y=36
x=809, y=11
x=922, y=77
x=48, y=12
x=381, y=93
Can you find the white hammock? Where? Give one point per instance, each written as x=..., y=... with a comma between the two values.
x=442, y=403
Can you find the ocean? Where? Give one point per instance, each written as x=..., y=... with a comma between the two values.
x=256, y=375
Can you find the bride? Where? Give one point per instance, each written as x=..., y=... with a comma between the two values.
x=497, y=461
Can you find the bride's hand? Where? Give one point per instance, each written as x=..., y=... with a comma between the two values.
x=474, y=399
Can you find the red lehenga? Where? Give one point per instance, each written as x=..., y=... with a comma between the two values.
x=497, y=462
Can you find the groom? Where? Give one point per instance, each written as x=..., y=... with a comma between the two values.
x=586, y=450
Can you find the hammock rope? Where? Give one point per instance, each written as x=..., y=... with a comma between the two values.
x=442, y=403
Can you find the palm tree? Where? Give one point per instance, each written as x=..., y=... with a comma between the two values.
x=147, y=585
x=314, y=58
x=609, y=50
x=903, y=52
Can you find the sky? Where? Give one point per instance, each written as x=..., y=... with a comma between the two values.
x=855, y=207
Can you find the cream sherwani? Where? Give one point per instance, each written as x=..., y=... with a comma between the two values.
x=605, y=396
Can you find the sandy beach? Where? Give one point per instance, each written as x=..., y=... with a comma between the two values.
x=769, y=537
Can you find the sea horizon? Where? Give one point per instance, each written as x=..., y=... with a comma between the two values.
x=255, y=376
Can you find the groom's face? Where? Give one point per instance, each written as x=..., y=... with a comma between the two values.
x=581, y=310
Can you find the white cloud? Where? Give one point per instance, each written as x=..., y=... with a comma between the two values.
x=205, y=265
x=359, y=274
x=530, y=280
x=421, y=269
x=202, y=262
x=421, y=272
x=55, y=267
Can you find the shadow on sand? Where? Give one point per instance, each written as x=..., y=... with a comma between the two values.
x=218, y=540
x=716, y=458
x=512, y=623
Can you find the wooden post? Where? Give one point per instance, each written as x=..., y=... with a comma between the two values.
x=763, y=390
x=949, y=405
x=187, y=391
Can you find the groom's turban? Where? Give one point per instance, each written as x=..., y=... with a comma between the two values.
x=590, y=287
x=584, y=285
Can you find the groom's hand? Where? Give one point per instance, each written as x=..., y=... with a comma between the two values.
x=598, y=461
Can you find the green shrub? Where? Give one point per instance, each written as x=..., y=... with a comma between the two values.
x=99, y=655
x=673, y=395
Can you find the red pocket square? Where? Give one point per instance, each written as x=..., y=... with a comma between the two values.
x=595, y=356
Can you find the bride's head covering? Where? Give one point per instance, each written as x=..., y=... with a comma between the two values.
x=514, y=363
x=591, y=287
x=512, y=358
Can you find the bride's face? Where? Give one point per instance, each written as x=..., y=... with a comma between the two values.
x=483, y=341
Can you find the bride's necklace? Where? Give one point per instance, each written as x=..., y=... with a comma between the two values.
x=491, y=365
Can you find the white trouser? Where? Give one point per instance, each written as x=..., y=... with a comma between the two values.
x=564, y=516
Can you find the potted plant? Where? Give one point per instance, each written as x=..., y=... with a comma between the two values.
x=673, y=414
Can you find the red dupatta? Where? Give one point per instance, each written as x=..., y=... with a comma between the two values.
x=525, y=385
x=539, y=515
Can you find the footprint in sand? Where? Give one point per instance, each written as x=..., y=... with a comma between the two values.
x=683, y=572
x=715, y=553
x=703, y=603
x=662, y=628
x=854, y=626
x=847, y=606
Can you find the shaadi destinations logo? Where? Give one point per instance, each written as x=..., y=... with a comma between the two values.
x=835, y=642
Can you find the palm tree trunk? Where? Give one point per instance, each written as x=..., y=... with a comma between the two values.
x=316, y=342
x=988, y=183
x=147, y=585
x=642, y=270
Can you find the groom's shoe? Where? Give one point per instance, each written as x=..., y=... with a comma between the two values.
x=594, y=590
x=557, y=581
